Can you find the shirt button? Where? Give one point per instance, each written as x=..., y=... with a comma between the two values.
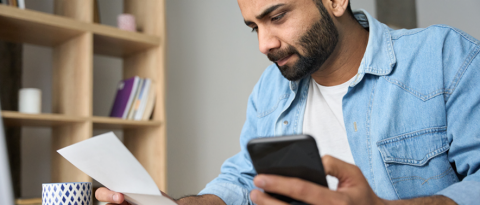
x=285, y=122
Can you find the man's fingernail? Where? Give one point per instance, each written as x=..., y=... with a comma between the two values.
x=253, y=196
x=261, y=181
x=115, y=197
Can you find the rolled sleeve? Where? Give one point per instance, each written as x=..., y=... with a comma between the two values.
x=463, y=193
x=231, y=194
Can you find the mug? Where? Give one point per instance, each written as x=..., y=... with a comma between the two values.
x=69, y=193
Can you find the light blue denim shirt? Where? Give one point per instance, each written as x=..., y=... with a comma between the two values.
x=412, y=116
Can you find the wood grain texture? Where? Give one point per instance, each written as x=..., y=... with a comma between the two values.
x=72, y=77
x=26, y=26
x=149, y=145
x=117, y=123
x=72, y=96
x=16, y=119
x=81, y=10
x=62, y=170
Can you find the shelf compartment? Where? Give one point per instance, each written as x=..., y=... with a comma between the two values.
x=22, y=26
x=12, y=118
x=117, y=123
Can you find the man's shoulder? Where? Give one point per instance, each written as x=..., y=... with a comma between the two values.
x=433, y=34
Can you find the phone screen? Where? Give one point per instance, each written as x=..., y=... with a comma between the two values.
x=291, y=156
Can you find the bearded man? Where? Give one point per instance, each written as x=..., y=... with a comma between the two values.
x=395, y=113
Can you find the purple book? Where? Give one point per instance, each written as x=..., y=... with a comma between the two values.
x=123, y=99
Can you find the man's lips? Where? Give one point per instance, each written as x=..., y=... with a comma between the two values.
x=283, y=61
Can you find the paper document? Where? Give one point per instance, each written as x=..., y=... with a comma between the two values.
x=107, y=160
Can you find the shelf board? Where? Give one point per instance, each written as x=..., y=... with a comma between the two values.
x=27, y=26
x=117, y=123
x=12, y=118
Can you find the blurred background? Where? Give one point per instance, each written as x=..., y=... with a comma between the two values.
x=213, y=63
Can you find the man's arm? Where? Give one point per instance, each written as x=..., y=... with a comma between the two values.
x=208, y=199
x=431, y=200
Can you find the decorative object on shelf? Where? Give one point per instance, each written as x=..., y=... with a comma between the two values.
x=134, y=99
x=67, y=193
x=126, y=22
x=21, y=4
x=30, y=100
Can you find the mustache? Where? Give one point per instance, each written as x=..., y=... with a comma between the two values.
x=277, y=55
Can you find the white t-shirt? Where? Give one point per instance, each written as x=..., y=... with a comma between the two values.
x=323, y=120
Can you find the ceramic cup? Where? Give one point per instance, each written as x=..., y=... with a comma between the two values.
x=30, y=100
x=69, y=193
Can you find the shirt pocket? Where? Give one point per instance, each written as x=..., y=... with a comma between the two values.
x=417, y=162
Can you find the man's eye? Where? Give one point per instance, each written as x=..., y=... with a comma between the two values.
x=278, y=17
x=254, y=29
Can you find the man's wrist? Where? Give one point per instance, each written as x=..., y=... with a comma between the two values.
x=207, y=199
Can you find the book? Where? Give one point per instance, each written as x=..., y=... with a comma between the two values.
x=143, y=97
x=124, y=97
x=136, y=101
x=150, y=102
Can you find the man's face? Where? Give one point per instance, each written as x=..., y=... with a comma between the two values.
x=298, y=35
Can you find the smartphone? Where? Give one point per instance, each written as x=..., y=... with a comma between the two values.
x=290, y=156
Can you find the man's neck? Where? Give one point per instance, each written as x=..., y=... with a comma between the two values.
x=343, y=63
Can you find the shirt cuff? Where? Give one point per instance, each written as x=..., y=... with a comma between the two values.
x=463, y=193
x=231, y=194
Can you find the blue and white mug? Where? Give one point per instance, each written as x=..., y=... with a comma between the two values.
x=69, y=193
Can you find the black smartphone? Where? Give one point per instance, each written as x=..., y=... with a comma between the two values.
x=290, y=156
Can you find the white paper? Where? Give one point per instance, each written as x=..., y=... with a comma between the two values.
x=108, y=161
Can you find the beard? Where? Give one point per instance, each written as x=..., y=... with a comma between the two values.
x=318, y=44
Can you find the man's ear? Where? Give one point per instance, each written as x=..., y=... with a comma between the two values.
x=338, y=7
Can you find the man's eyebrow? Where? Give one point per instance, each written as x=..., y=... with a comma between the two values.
x=264, y=13
x=269, y=10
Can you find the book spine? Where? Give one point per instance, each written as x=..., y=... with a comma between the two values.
x=131, y=98
x=134, y=102
x=143, y=100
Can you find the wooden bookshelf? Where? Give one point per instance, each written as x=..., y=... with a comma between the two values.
x=74, y=39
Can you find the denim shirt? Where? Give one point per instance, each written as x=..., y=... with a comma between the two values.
x=412, y=116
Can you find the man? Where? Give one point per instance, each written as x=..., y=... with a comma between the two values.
x=400, y=105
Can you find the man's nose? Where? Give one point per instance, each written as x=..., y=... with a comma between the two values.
x=267, y=41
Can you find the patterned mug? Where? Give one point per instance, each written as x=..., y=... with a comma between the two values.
x=69, y=193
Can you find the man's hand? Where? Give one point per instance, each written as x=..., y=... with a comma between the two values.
x=113, y=198
x=105, y=195
x=353, y=188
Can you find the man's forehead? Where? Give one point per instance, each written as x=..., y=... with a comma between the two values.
x=255, y=7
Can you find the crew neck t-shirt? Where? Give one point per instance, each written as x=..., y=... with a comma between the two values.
x=323, y=120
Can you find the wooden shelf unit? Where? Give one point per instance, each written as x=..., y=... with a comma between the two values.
x=75, y=39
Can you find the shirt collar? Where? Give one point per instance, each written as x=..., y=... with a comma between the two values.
x=379, y=58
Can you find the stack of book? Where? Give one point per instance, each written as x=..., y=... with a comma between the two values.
x=15, y=3
x=135, y=99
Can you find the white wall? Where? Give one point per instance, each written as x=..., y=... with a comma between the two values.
x=213, y=64
x=462, y=14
